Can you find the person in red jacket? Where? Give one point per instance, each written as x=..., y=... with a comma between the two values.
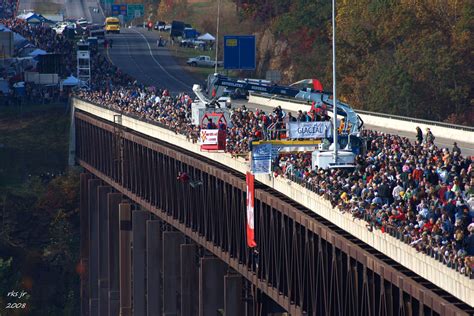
x=417, y=174
x=182, y=177
x=398, y=215
x=428, y=226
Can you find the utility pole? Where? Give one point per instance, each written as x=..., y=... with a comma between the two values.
x=334, y=98
x=217, y=33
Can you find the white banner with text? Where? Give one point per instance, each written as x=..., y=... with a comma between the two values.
x=308, y=130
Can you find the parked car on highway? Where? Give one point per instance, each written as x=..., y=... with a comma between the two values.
x=61, y=26
x=166, y=28
x=203, y=61
x=159, y=26
x=82, y=23
x=191, y=43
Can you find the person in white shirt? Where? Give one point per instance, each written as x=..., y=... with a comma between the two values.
x=396, y=191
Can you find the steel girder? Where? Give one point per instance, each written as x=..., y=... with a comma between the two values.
x=304, y=263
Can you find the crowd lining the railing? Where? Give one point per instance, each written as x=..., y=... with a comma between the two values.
x=8, y=8
x=414, y=191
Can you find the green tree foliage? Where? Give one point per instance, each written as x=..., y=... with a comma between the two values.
x=9, y=279
x=40, y=230
x=404, y=58
x=304, y=27
x=407, y=57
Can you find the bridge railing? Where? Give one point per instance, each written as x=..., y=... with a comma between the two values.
x=459, y=133
x=391, y=230
x=395, y=232
x=388, y=243
x=384, y=115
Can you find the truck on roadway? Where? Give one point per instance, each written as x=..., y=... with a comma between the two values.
x=203, y=61
x=112, y=25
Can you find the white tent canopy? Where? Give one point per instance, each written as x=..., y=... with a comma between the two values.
x=37, y=52
x=206, y=37
x=71, y=81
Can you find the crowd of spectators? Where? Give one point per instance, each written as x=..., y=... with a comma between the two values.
x=8, y=8
x=45, y=38
x=423, y=193
x=417, y=191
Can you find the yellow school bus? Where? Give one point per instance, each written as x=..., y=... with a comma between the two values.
x=112, y=25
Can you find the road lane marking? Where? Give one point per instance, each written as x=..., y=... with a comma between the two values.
x=156, y=61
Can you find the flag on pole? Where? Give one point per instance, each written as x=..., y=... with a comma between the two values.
x=250, y=210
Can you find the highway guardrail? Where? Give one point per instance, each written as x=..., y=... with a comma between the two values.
x=459, y=133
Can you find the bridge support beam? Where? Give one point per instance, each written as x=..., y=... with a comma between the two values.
x=125, y=260
x=84, y=244
x=139, y=219
x=93, y=247
x=114, y=200
x=233, y=302
x=189, y=280
x=211, y=286
x=103, y=283
x=171, y=270
x=154, y=253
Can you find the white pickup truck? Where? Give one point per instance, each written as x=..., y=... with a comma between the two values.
x=203, y=61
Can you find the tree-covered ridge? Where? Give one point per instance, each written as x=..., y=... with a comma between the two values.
x=39, y=216
x=406, y=57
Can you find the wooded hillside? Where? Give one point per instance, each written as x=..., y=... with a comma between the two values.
x=406, y=57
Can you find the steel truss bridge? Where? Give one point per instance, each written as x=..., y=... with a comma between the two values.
x=152, y=245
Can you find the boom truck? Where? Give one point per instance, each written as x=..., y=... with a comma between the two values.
x=349, y=132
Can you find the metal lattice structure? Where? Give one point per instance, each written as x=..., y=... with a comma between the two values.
x=84, y=64
x=304, y=263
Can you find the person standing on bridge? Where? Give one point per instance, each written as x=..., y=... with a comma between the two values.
x=419, y=135
x=456, y=149
x=429, y=137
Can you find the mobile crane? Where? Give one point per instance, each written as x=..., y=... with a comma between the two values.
x=351, y=130
x=318, y=97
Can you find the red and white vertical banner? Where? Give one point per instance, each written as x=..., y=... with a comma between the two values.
x=250, y=210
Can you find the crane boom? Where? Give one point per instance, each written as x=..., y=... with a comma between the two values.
x=318, y=97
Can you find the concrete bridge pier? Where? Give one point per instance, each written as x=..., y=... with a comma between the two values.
x=125, y=259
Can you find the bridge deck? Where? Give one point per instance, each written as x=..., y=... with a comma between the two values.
x=302, y=216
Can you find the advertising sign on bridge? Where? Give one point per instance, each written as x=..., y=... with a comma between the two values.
x=309, y=130
x=239, y=52
x=261, y=159
x=209, y=137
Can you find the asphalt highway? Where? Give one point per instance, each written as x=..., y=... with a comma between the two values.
x=135, y=52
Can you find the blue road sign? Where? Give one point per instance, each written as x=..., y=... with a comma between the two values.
x=119, y=9
x=239, y=52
